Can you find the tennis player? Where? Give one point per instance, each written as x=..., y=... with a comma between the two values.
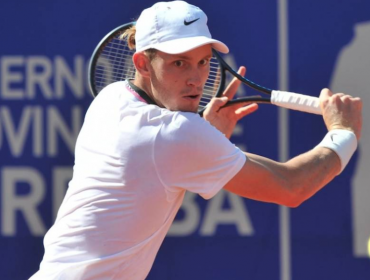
x=142, y=146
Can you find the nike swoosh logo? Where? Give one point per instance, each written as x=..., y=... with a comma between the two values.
x=332, y=137
x=190, y=22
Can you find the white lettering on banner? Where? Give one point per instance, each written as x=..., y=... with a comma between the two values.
x=214, y=216
x=37, y=132
x=26, y=204
x=22, y=77
x=13, y=203
x=64, y=74
x=39, y=72
x=236, y=215
x=10, y=77
x=56, y=126
x=16, y=138
x=31, y=117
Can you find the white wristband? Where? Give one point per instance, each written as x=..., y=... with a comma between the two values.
x=342, y=142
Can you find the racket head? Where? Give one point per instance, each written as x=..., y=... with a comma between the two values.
x=111, y=61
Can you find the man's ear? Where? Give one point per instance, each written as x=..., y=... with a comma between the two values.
x=142, y=64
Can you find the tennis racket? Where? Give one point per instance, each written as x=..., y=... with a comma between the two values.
x=112, y=61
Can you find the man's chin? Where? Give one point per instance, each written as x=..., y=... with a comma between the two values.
x=188, y=109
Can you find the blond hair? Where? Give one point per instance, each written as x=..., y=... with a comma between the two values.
x=129, y=36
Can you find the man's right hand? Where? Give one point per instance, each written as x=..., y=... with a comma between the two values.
x=341, y=111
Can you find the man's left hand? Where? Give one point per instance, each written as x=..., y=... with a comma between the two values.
x=225, y=119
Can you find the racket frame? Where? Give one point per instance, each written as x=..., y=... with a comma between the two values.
x=95, y=56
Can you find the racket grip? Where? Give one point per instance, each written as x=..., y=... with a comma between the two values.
x=296, y=101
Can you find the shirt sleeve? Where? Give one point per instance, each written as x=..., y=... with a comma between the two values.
x=190, y=154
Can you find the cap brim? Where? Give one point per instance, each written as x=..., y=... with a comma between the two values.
x=187, y=44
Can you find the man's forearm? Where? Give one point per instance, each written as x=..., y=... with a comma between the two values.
x=288, y=183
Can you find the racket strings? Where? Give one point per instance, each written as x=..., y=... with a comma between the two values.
x=212, y=84
x=114, y=63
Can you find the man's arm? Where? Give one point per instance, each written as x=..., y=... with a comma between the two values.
x=288, y=183
x=293, y=182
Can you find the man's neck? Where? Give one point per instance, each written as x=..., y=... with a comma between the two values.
x=143, y=85
x=142, y=93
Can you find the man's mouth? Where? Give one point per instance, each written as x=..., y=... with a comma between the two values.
x=195, y=96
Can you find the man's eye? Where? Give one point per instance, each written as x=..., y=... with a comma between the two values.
x=203, y=62
x=179, y=63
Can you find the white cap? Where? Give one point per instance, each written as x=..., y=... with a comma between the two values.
x=174, y=27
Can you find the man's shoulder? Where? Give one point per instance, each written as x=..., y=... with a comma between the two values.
x=184, y=120
x=185, y=127
x=113, y=91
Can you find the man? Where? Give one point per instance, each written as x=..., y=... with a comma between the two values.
x=142, y=146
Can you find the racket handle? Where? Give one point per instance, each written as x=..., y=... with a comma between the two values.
x=296, y=101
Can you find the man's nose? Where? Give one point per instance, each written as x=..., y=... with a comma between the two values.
x=195, y=77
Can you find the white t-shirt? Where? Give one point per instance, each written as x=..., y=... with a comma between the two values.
x=133, y=164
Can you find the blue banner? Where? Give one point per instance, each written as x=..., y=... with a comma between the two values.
x=44, y=52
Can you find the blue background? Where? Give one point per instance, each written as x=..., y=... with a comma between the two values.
x=321, y=232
